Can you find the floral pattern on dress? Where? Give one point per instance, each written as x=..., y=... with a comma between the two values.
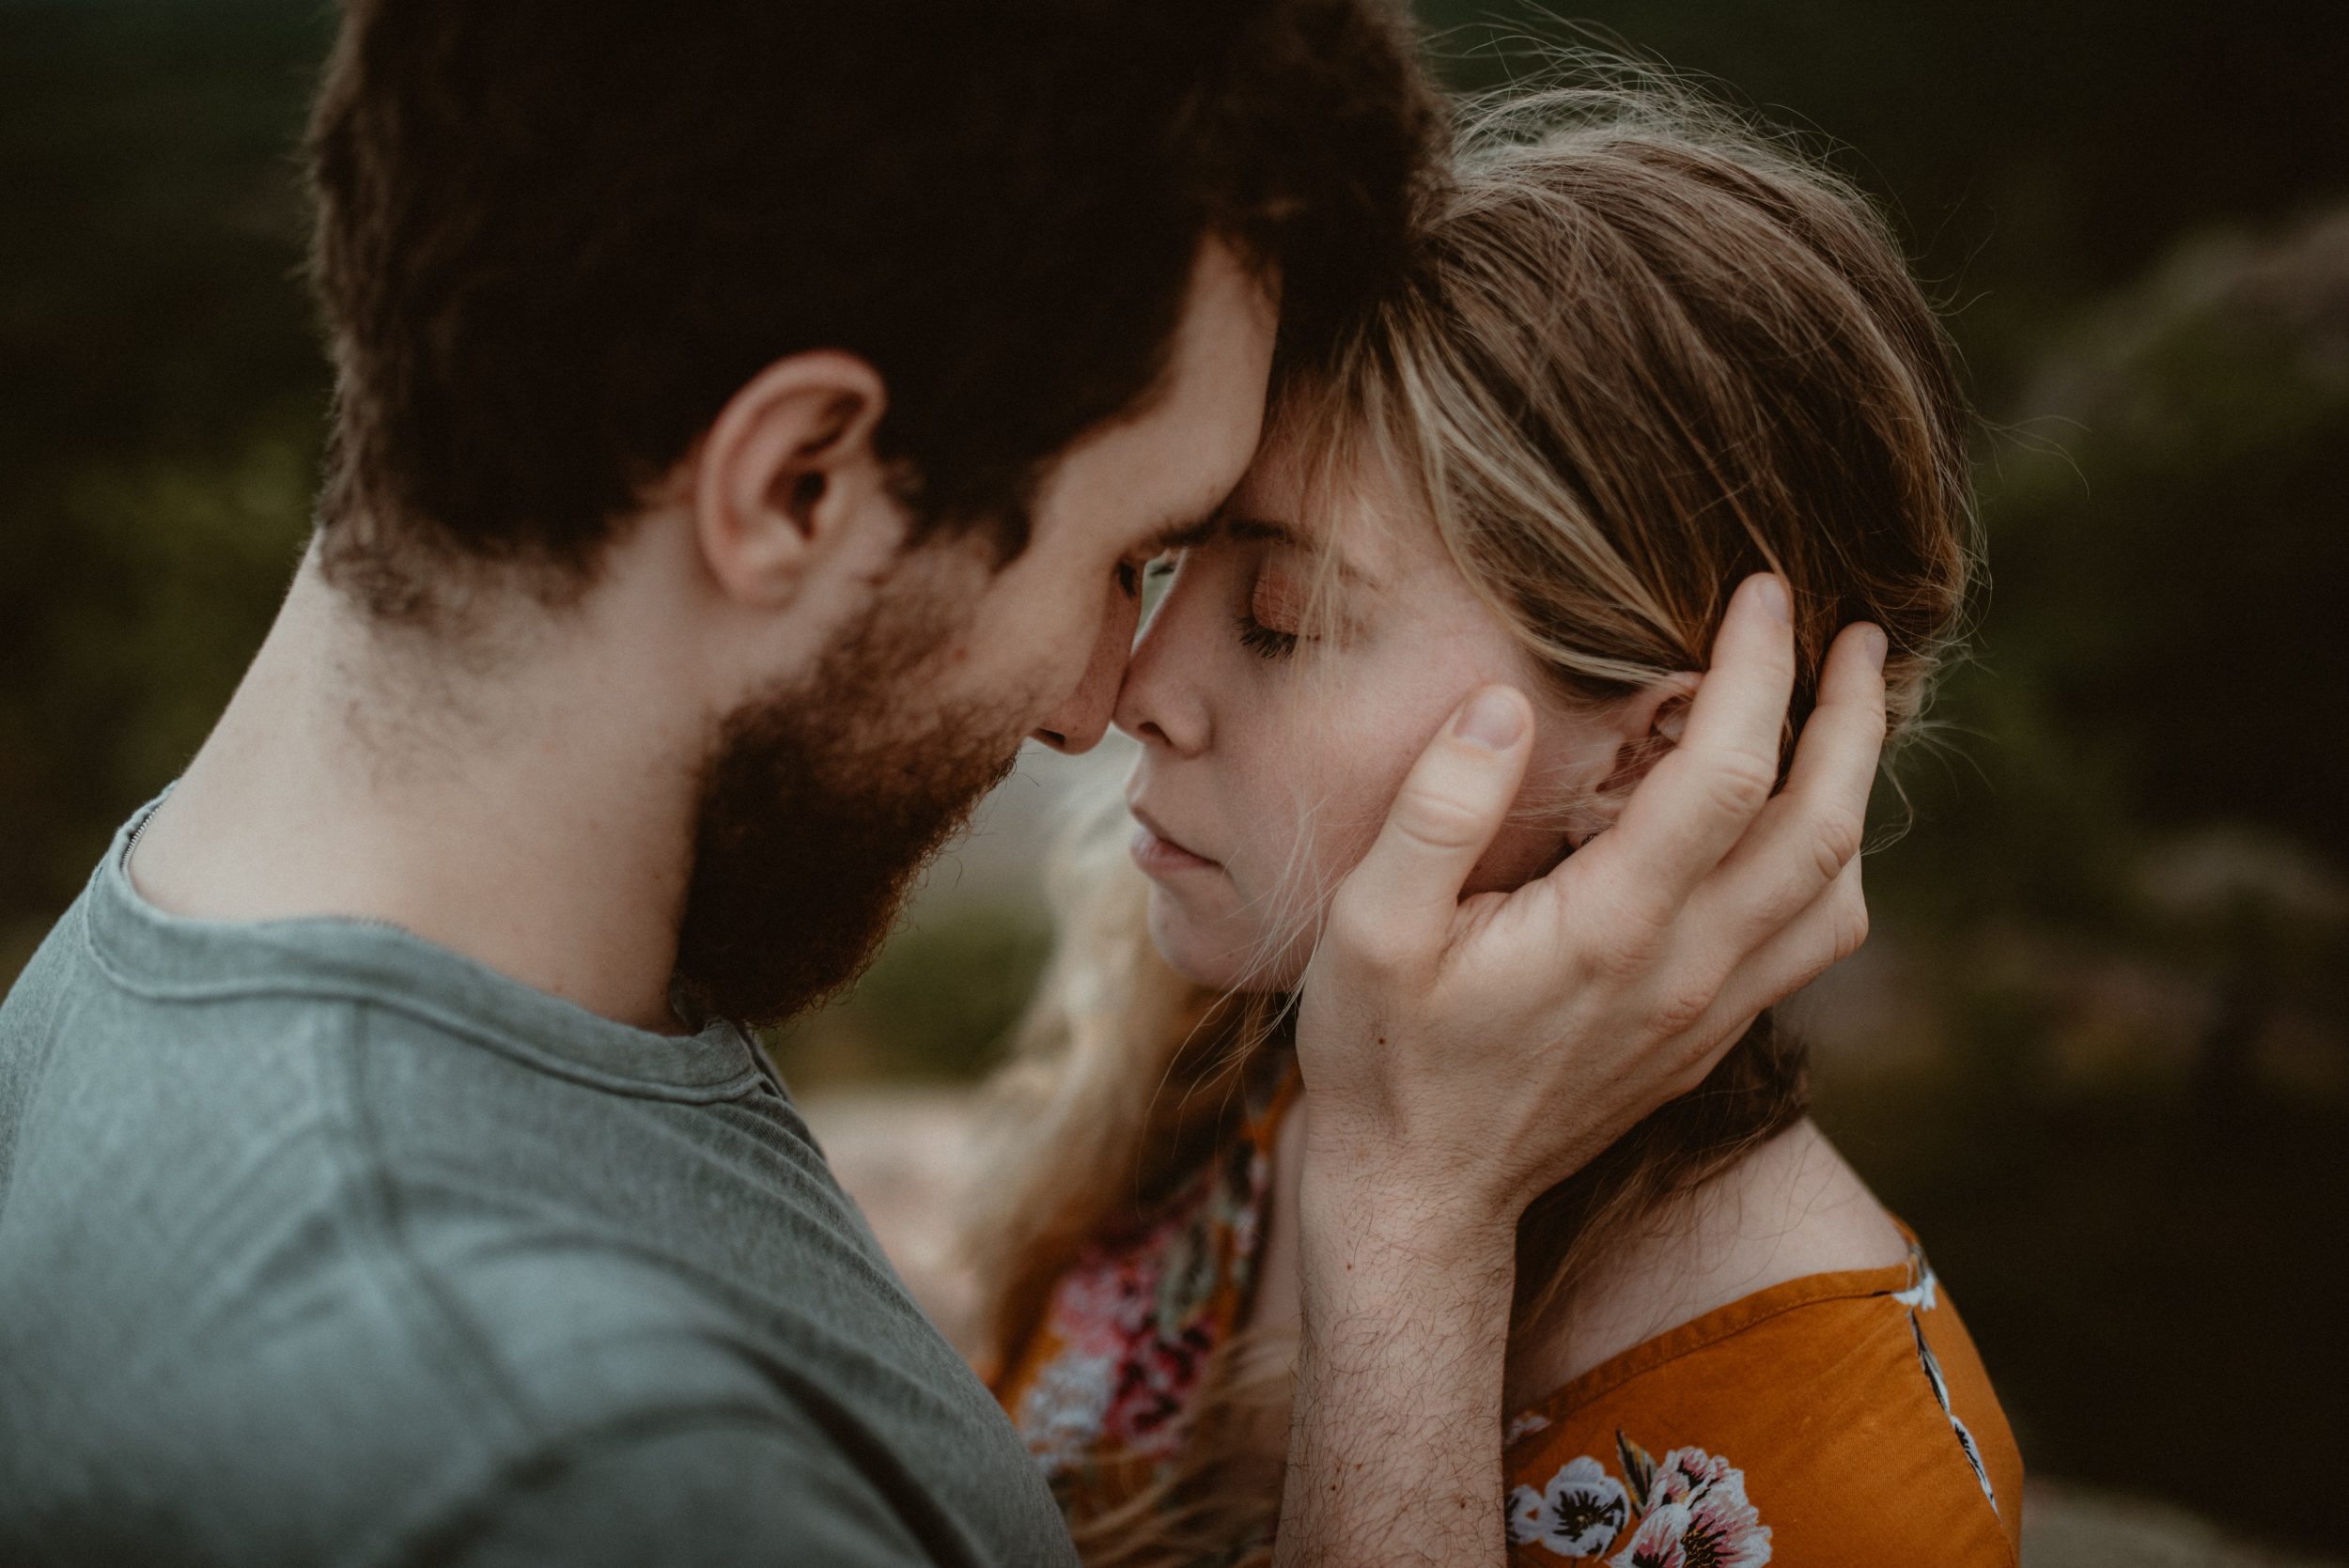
x=1521, y=1426
x=1926, y=1293
x=1103, y=1386
x=1578, y=1515
x=1127, y=1332
x=1697, y=1514
x=1689, y=1510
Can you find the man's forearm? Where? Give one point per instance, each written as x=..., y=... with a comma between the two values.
x=1394, y=1442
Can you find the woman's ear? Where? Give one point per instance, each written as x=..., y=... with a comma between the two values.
x=788, y=471
x=1648, y=725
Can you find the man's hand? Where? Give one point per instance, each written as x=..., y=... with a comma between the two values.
x=1466, y=1055
x=1489, y=1048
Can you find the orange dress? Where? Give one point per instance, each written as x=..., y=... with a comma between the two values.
x=1838, y=1420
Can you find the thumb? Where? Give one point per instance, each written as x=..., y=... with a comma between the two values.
x=1406, y=890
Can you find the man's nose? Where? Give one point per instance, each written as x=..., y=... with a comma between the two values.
x=1077, y=724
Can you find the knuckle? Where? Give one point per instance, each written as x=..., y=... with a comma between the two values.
x=1838, y=837
x=1851, y=924
x=1742, y=783
x=1631, y=949
x=1680, y=1010
x=1441, y=821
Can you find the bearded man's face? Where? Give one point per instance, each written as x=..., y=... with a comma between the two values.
x=819, y=807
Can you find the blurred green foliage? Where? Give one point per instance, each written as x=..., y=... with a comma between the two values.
x=938, y=1004
x=160, y=402
x=2118, y=918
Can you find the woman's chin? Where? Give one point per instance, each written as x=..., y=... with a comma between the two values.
x=1195, y=961
x=1219, y=960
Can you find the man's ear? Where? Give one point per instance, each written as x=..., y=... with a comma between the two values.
x=788, y=471
x=1648, y=725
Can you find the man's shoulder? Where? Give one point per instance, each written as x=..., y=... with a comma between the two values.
x=513, y=1380
x=412, y=1347
x=291, y=1265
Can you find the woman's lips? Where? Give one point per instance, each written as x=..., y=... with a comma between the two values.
x=1160, y=856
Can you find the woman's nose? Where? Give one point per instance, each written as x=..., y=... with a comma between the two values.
x=1162, y=702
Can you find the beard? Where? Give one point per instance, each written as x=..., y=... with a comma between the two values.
x=819, y=807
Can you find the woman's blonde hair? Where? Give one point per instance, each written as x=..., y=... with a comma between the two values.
x=1646, y=351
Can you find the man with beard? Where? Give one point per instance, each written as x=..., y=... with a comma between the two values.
x=750, y=424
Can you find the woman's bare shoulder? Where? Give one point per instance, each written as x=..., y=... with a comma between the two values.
x=1789, y=1209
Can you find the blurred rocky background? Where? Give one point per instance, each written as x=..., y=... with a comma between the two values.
x=2098, y=1049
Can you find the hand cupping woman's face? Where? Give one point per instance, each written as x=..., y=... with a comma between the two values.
x=1294, y=667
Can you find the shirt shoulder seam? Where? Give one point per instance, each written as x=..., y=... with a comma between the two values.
x=439, y=1527
x=449, y=1335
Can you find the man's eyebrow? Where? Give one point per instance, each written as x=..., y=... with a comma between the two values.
x=1184, y=534
x=1263, y=530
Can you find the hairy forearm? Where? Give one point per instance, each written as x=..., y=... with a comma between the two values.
x=1394, y=1442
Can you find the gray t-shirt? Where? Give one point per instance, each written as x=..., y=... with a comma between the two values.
x=320, y=1245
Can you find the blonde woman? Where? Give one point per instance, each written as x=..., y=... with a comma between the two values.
x=1647, y=354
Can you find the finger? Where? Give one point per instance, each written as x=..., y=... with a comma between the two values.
x=1843, y=740
x=1827, y=932
x=1698, y=801
x=1813, y=826
x=1399, y=902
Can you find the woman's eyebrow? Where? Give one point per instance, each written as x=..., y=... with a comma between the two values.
x=1267, y=531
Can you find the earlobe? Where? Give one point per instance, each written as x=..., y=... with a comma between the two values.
x=785, y=472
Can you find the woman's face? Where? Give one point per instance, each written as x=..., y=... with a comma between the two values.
x=1271, y=751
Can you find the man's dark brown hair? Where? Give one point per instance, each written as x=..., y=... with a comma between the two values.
x=555, y=236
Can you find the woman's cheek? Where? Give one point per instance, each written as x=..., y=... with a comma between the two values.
x=1352, y=813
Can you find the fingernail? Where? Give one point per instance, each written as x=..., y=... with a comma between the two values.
x=1492, y=720
x=1871, y=638
x=1773, y=596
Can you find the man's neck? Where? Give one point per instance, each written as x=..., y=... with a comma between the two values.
x=535, y=818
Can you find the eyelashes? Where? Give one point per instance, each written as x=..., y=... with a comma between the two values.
x=1261, y=640
x=1272, y=601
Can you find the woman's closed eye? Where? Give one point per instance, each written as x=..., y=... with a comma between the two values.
x=1271, y=624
